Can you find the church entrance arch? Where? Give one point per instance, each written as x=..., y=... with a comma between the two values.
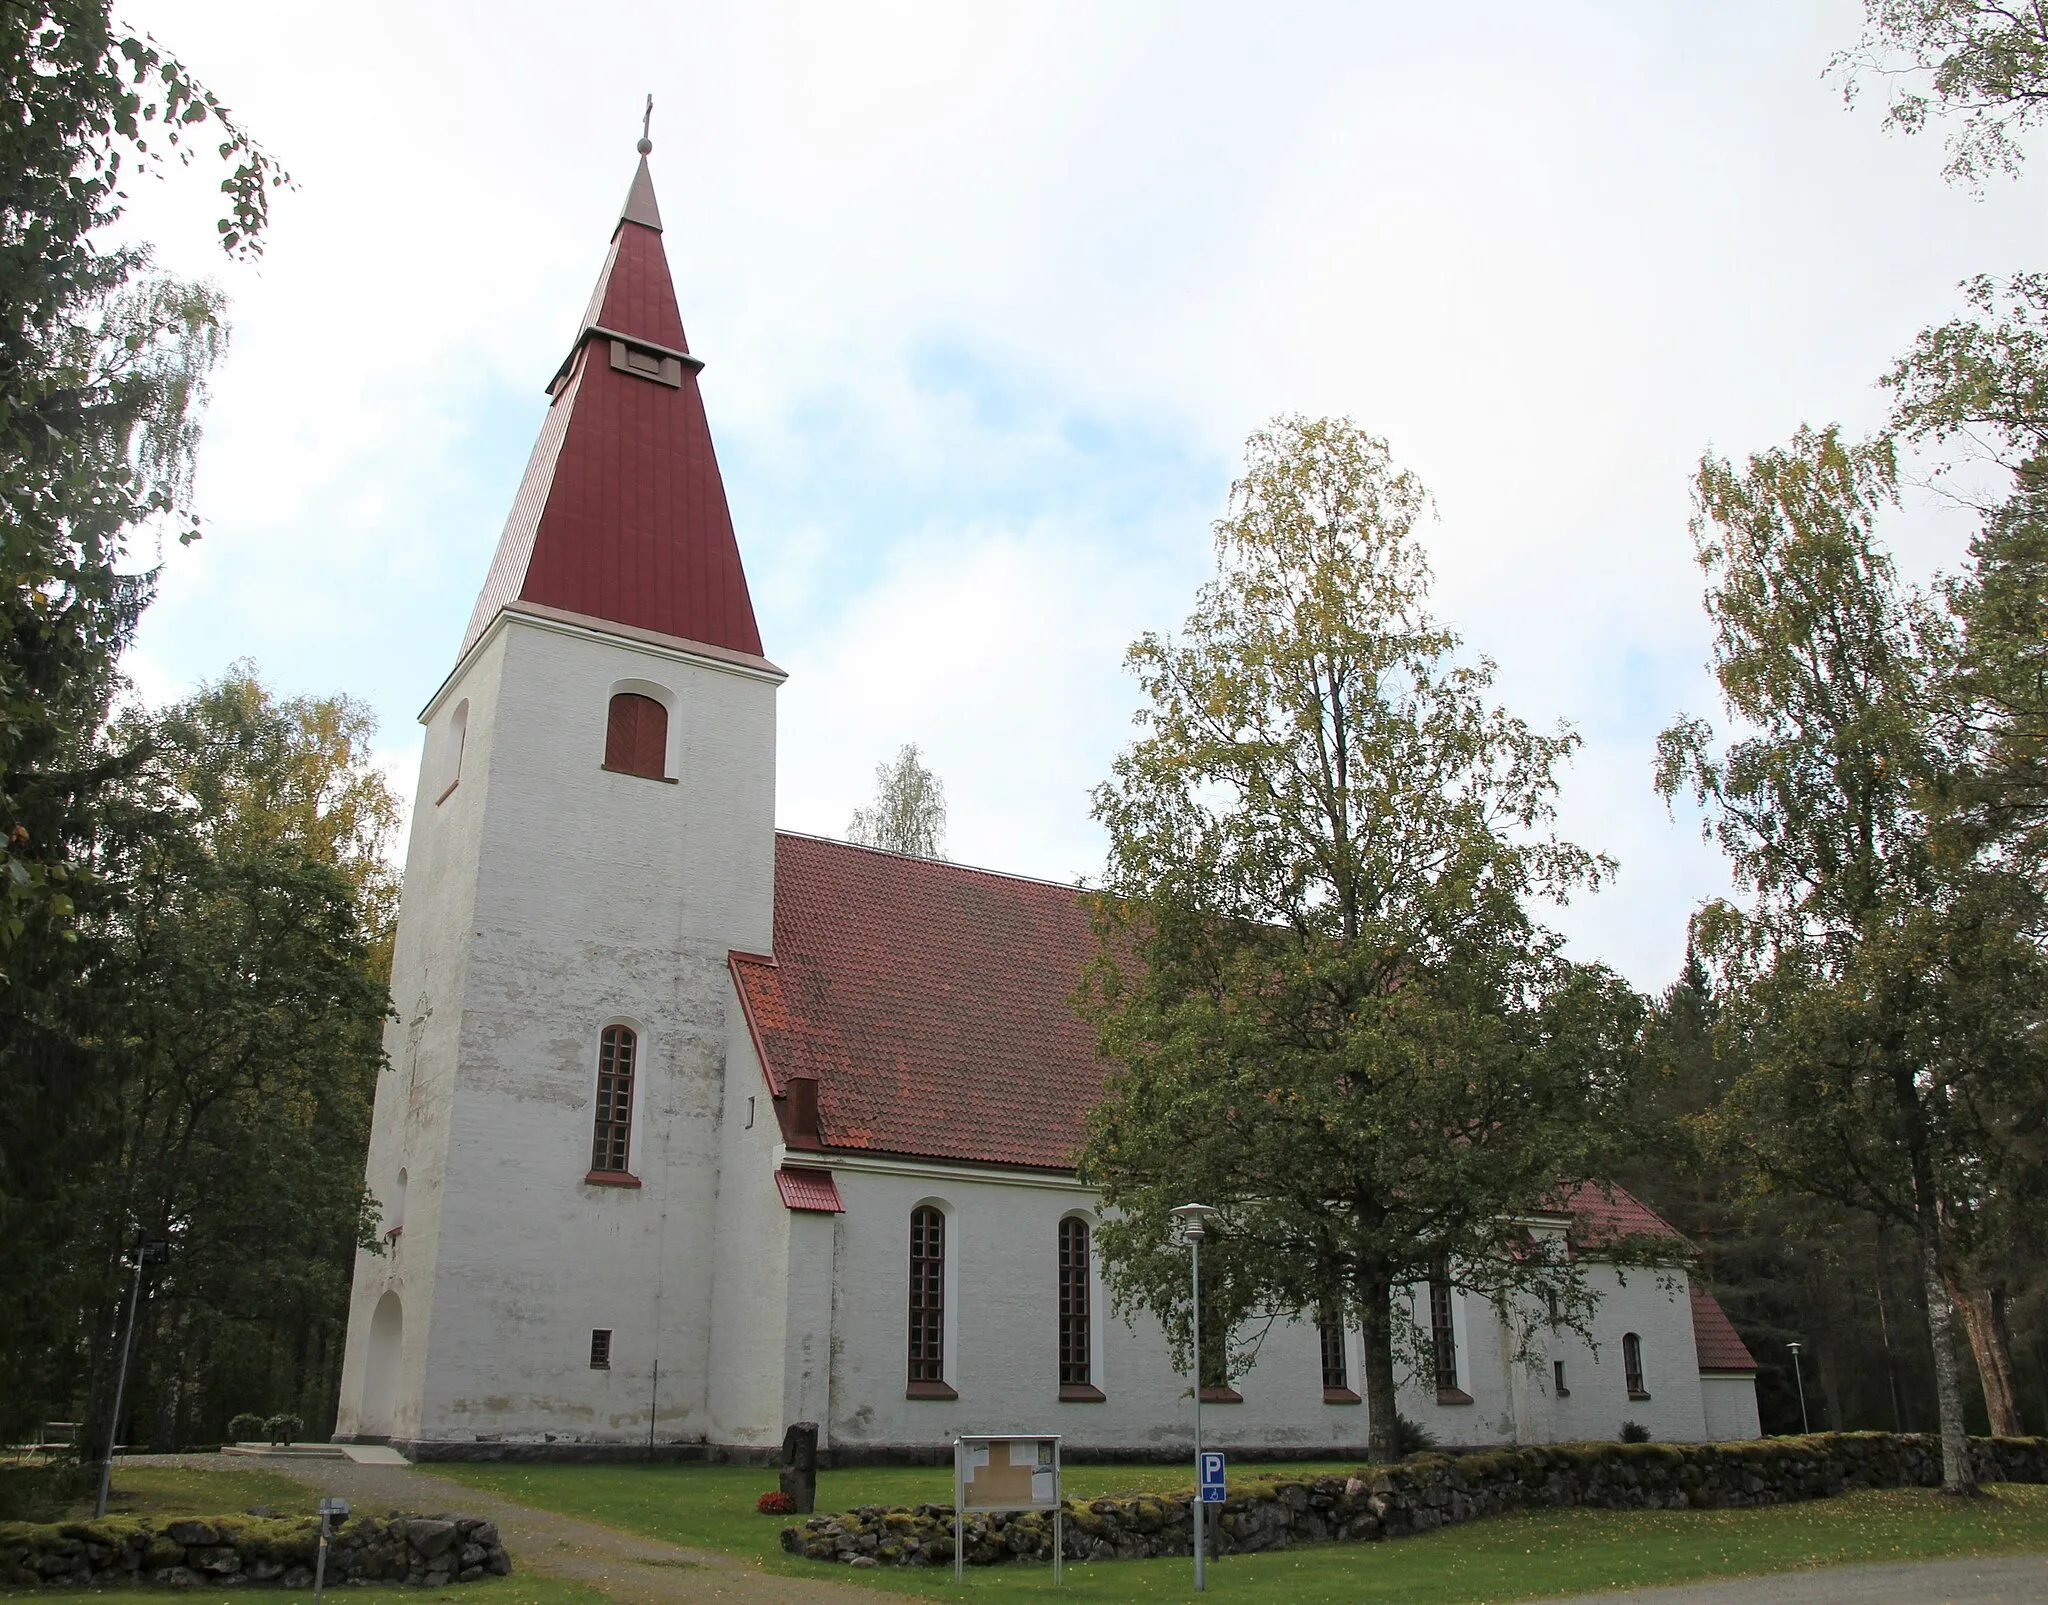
x=380, y=1372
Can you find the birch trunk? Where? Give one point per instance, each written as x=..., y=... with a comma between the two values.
x=1978, y=1307
x=1958, y=1475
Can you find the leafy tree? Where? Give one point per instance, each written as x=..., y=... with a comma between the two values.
x=908, y=814
x=1331, y=1012
x=209, y=1050
x=1983, y=63
x=1880, y=987
x=102, y=369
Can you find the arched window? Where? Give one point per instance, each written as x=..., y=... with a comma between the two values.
x=1443, y=1335
x=1336, y=1371
x=1632, y=1365
x=928, y=1303
x=1076, y=1372
x=452, y=741
x=612, y=1143
x=636, y=736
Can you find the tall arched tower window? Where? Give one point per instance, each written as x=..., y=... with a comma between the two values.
x=1073, y=1305
x=927, y=1299
x=636, y=736
x=1632, y=1365
x=612, y=1143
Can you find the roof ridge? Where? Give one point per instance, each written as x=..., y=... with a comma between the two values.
x=938, y=863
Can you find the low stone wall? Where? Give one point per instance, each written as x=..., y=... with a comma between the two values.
x=121, y=1551
x=1422, y=1493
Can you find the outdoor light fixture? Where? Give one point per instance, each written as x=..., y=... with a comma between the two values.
x=1193, y=1222
x=1804, y=1425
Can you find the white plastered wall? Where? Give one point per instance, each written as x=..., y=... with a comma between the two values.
x=750, y=1289
x=1730, y=1401
x=429, y=968
x=1001, y=1337
x=599, y=898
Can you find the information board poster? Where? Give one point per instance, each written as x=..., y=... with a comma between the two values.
x=1009, y=1474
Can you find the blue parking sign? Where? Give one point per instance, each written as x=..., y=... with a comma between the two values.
x=1212, y=1477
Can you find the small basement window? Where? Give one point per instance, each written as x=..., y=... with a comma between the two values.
x=601, y=1349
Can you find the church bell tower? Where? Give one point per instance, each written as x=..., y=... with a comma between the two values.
x=593, y=834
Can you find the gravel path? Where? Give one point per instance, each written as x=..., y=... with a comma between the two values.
x=1978, y=1580
x=633, y=1571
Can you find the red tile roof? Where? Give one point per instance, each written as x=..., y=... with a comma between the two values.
x=933, y=1003
x=809, y=1189
x=1604, y=1215
x=1720, y=1346
x=621, y=516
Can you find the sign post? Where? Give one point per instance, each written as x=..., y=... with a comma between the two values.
x=1007, y=1471
x=1193, y=1221
x=331, y=1510
x=1208, y=1491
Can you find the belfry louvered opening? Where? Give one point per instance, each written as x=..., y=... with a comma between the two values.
x=636, y=736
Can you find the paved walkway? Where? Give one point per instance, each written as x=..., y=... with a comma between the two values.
x=633, y=1571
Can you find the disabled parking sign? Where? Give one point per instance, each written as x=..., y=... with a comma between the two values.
x=1212, y=1477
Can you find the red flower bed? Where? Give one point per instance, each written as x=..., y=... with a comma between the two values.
x=775, y=1503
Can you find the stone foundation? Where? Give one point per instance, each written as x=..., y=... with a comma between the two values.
x=219, y=1551
x=1419, y=1495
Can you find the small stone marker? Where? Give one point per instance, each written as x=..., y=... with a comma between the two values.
x=799, y=1469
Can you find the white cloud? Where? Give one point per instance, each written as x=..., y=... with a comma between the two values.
x=1551, y=252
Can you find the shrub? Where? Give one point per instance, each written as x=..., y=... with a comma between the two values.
x=246, y=1428
x=775, y=1503
x=283, y=1429
x=1411, y=1437
x=1634, y=1432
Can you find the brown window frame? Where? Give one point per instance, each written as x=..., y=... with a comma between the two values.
x=1443, y=1336
x=925, y=1349
x=1336, y=1360
x=1076, y=1352
x=636, y=736
x=600, y=1348
x=1632, y=1365
x=611, y=1136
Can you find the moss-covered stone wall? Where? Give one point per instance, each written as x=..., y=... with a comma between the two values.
x=1420, y=1494
x=428, y=1551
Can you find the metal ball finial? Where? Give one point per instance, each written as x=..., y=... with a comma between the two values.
x=646, y=127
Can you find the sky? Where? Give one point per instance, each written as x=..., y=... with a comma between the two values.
x=991, y=297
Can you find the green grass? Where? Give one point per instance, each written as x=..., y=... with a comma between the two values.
x=176, y=1491
x=1524, y=1556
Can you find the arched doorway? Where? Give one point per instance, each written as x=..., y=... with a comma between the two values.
x=380, y=1371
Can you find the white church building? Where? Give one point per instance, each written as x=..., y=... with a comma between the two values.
x=694, y=1128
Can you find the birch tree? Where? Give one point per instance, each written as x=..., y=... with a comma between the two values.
x=1331, y=1011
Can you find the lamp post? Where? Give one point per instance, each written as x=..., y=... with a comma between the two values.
x=146, y=1253
x=1192, y=1218
x=1804, y=1425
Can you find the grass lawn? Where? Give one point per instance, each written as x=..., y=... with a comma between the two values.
x=175, y=1491
x=1524, y=1556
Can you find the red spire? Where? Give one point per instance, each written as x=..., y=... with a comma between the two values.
x=622, y=516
